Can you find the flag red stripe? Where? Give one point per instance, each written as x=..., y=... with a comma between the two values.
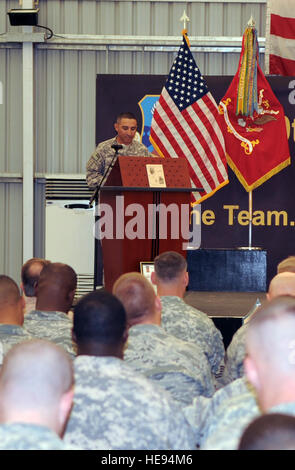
x=283, y=27
x=280, y=66
x=212, y=129
x=189, y=143
x=203, y=142
x=217, y=122
x=173, y=142
x=215, y=127
x=158, y=142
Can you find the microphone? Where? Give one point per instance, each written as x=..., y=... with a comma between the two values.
x=116, y=147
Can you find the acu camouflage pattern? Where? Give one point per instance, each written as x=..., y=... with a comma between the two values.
x=9, y=336
x=189, y=324
x=230, y=411
x=179, y=367
x=284, y=408
x=53, y=326
x=242, y=411
x=102, y=157
x=235, y=355
x=117, y=409
x=200, y=414
x=24, y=436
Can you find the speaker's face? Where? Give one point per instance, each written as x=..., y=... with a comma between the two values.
x=126, y=130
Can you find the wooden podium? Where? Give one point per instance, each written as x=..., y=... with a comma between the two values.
x=139, y=221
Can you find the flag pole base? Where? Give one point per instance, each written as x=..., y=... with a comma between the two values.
x=249, y=248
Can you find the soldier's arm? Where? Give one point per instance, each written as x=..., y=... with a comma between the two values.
x=95, y=168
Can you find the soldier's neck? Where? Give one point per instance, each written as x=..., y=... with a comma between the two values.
x=92, y=348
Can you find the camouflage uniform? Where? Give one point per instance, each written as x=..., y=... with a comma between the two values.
x=231, y=410
x=201, y=413
x=180, y=367
x=24, y=436
x=9, y=336
x=53, y=326
x=189, y=324
x=284, y=408
x=117, y=409
x=234, y=358
x=102, y=157
x=228, y=434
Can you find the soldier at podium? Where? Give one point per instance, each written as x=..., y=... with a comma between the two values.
x=101, y=158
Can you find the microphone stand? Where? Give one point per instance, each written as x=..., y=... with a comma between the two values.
x=116, y=147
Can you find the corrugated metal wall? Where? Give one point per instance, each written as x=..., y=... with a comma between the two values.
x=65, y=76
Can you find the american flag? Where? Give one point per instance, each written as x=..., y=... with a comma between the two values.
x=186, y=125
x=280, y=38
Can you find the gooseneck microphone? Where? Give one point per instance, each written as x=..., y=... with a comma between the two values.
x=116, y=147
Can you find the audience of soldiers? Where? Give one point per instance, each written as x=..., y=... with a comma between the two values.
x=139, y=369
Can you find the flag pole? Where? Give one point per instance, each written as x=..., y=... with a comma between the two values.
x=251, y=23
x=250, y=218
x=184, y=18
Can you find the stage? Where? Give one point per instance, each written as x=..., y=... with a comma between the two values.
x=227, y=309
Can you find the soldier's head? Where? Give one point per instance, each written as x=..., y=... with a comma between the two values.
x=270, y=352
x=282, y=284
x=286, y=265
x=99, y=327
x=11, y=302
x=170, y=275
x=36, y=385
x=126, y=127
x=30, y=274
x=272, y=431
x=56, y=288
x=139, y=299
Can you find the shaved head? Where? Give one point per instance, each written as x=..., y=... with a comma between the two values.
x=9, y=292
x=270, y=346
x=56, y=288
x=34, y=376
x=287, y=265
x=137, y=296
x=282, y=284
x=272, y=431
x=169, y=266
x=57, y=276
x=11, y=302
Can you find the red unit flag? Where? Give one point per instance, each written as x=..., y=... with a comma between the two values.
x=254, y=124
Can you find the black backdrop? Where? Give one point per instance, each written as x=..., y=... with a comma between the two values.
x=117, y=93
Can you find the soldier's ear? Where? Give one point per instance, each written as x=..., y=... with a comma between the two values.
x=153, y=278
x=186, y=279
x=116, y=126
x=251, y=372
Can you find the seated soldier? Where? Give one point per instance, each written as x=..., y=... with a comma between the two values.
x=281, y=284
x=11, y=316
x=30, y=274
x=180, y=319
x=36, y=392
x=116, y=408
x=235, y=400
x=55, y=293
x=180, y=367
x=269, y=368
